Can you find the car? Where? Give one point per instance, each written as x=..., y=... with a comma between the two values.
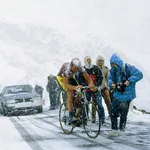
x=20, y=99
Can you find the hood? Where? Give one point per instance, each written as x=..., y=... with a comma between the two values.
x=99, y=58
x=21, y=95
x=115, y=59
x=86, y=64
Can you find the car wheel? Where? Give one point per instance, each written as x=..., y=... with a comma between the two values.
x=40, y=109
x=4, y=111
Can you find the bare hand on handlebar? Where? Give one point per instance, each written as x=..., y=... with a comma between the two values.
x=92, y=87
x=78, y=87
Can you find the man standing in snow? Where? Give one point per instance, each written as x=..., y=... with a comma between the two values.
x=39, y=89
x=51, y=88
x=122, y=80
x=104, y=86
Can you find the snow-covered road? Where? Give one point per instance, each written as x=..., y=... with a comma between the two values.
x=42, y=132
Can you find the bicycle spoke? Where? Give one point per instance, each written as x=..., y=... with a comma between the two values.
x=63, y=119
x=92, y=125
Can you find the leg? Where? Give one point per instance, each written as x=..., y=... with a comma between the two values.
x=54, y=99
x=88, y=97
x=50, y=98
x=107, y=99
x=93, y=112
x=124, y=108
x=114, y=114
x=58, y=99
x=70, y=107
x=98, y=100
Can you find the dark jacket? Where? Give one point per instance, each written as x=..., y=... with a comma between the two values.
x=39, y=89
x=52, y=84
x=95, y=73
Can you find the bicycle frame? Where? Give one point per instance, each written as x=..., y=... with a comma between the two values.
x=83, y=103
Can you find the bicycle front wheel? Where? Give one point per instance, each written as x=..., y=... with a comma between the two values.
x=91, y=121
x=63, y=119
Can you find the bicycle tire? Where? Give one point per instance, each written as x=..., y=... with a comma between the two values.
x=63, y=119
x=92, y=127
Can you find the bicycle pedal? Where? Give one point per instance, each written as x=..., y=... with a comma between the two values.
x=74, y=121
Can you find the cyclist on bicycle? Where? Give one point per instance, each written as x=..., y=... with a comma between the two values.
x=66, y=79
x=96, y=75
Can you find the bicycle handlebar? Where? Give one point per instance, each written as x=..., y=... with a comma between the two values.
x=84, y=88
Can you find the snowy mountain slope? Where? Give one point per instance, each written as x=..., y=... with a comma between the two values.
x=27, y=52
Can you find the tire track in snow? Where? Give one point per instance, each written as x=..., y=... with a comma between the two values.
x=119, y=140
x=93, y=142
x=26, y=135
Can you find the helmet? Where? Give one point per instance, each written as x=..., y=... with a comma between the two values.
x=76, y=62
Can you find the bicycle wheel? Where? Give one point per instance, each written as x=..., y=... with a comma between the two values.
x=63, y=119
x=91, y=121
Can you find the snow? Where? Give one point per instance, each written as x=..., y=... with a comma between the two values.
x=42, y=130
x=10, y=139
x=36, y=37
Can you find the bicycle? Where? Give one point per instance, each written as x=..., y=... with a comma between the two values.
x=82, y=114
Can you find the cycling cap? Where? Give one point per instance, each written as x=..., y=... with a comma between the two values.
x=76, y=62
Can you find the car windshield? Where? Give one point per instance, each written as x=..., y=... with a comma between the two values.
x=18, y=89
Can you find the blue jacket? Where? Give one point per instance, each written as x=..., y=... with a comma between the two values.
x=123, y=72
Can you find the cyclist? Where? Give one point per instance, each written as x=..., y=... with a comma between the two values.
x=96, y=75
x=66, y=79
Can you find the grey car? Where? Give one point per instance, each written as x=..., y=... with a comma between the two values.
x=20, y=99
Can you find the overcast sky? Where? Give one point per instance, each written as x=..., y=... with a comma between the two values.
x=124, y=24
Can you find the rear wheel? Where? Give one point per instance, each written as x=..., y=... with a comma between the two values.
x=63, y=119
x=5, y=112
x=91, y=121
